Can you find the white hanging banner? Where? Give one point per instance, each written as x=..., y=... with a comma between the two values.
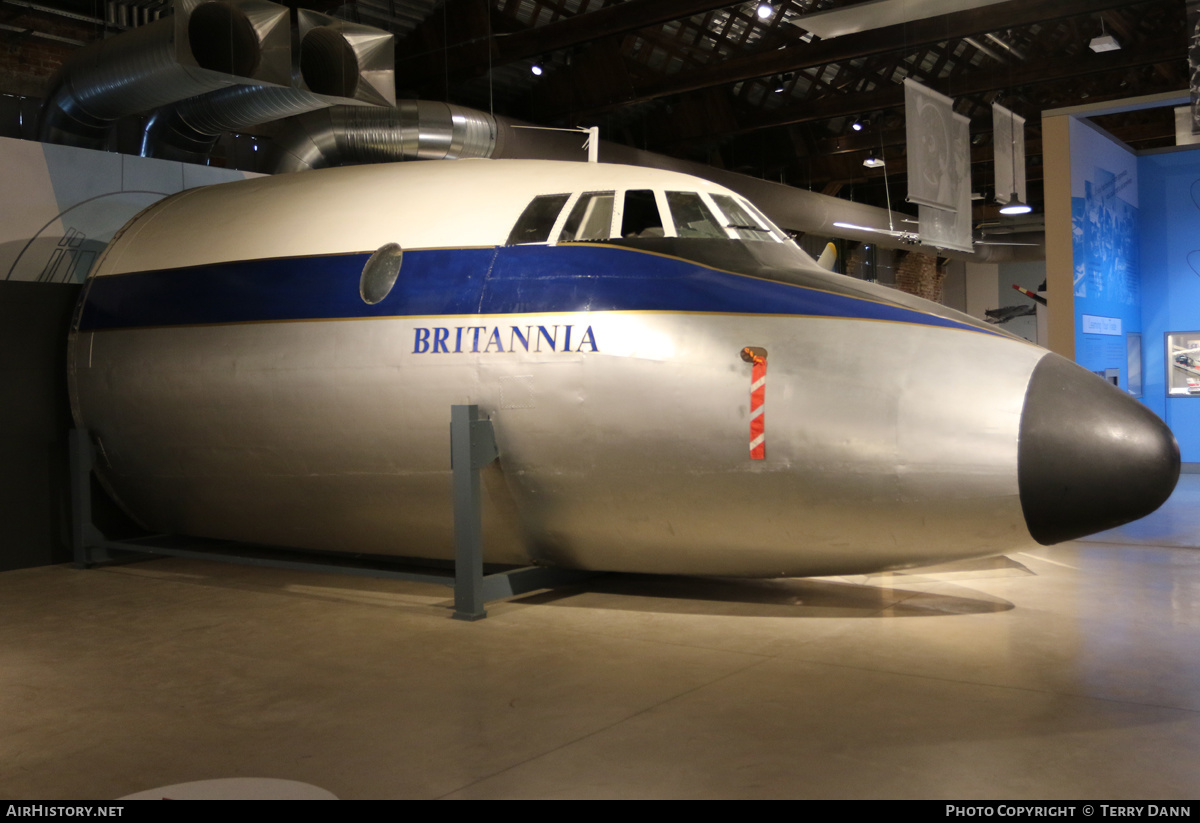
x=1008, y=142
x=929, y=127
x=952, y=229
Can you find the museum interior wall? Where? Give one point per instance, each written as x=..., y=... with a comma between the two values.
x=61, y=206
x=1134, y=271
x=1106, y=276
x=1169, y=193
x=34, y=418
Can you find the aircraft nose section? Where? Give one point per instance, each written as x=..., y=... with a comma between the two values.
x=1090, y=457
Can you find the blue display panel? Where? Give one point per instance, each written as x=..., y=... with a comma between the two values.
x=1106, y=230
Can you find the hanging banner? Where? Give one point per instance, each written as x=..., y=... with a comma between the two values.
x=952, y=229
x=929, y=125
x=1008, y=143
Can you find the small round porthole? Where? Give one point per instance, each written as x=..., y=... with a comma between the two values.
x=380, y=272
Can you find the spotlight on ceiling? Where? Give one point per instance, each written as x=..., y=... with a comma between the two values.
x=780, y=81
x=873, y=163
x=536, y=68
x=765, y=11
x=1015, y=206
x=857, y=125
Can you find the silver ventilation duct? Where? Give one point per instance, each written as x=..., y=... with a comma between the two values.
x=414, y=130
x=792, y=208
x=205, y=45
x=334, y=62
x=344, y=61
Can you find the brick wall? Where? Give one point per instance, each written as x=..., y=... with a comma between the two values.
x=854, y=261
x=921, y=275
x=27, y=62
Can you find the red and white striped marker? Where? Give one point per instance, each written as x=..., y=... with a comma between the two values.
x=758, y=397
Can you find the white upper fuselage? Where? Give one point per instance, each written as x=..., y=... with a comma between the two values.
x=360, y=208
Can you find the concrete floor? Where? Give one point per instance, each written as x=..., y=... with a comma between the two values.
x=1070, y=672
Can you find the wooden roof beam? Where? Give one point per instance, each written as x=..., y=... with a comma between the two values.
x=571, y=31
x=930, y=31
x=978, y=82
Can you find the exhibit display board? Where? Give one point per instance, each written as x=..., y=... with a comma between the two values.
x=1135, y=220
x=1183, y=364
x=1169, y=192
x=1105, y=230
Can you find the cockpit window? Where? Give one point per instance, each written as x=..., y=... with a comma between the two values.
x=640, y=217
x=637, y=214
x=692, y=218
x=741, y=223
x=535, y=223
x=763, y=220
x=591, y=219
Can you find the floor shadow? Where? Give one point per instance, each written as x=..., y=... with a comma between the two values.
x=790, y=597
x=926, y=592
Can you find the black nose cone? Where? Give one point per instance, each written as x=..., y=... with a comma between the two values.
x=1090, y=457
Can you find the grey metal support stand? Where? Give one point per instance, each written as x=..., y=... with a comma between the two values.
x=81, y=455
x=472, y=446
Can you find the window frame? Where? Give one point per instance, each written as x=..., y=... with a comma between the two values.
x=558, y=218
x=561, y=224
x=773, y=232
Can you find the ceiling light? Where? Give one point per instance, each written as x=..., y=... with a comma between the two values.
x=874, y=163
x=1105, y=42
x=536, y=68
x=765, y=11
x=1015, y=206
x=857, y=125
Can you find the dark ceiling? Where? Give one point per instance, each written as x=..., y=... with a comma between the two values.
x=698, y=79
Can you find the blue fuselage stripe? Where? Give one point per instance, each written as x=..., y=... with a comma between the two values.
x=474, y=281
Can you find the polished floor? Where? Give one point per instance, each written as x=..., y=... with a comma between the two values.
x=1069, y=672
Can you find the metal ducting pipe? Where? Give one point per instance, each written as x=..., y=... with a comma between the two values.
x=205, y=45
x=414, y=130
x=187, y=131
x=814, y=213
x=335, y=61
x=1029, y=246
x=791, y=208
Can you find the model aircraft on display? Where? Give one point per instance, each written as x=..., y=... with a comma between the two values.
x=674, y=386
x=1006, y=313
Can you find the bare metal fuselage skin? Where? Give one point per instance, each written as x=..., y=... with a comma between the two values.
x=240, y=387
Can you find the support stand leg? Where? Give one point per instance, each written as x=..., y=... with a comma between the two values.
x=472, y=446
x=81, y=455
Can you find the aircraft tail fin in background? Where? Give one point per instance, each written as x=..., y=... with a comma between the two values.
x=828, y=258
